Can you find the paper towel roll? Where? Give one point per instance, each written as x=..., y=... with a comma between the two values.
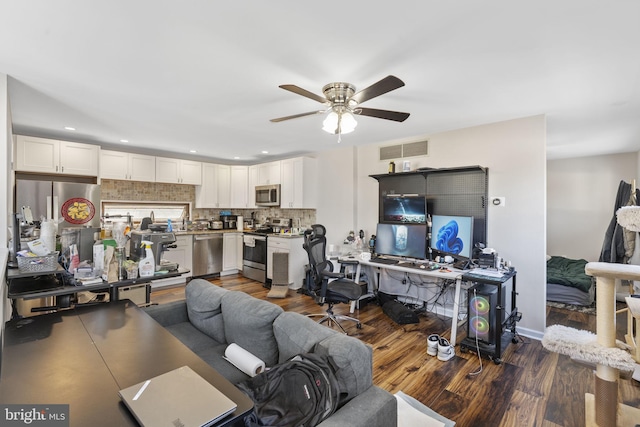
x=243, y=360
x=240, y=222
x=48, y=234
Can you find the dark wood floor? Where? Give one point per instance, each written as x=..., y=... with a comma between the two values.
x=531, y=387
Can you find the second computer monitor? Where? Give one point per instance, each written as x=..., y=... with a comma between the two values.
x=452, y=234
x=402, y=240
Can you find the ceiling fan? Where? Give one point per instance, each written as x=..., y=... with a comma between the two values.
x=343, y=102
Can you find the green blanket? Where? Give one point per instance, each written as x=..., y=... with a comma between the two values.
x=568, y=272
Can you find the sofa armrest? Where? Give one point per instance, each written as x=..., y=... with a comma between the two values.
x=374, y=407
x=170, y=313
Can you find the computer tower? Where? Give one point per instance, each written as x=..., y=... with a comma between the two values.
x=482, y=319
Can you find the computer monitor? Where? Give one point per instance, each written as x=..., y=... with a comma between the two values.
x=402, y=240
x=404, y=209
x=452, y=235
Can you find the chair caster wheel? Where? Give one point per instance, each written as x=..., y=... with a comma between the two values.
x=359, y=325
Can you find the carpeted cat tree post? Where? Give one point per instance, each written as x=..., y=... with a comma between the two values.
x=602, y=407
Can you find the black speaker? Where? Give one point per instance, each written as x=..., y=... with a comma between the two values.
x=482, y=319
x=399, y=313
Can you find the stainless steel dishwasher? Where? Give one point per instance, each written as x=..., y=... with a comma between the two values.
x=207, y=254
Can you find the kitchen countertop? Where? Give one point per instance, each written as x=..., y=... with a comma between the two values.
x=199, y=232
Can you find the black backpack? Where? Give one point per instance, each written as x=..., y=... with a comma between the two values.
x=301, y=392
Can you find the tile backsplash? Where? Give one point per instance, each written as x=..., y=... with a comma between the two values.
x=160, y=192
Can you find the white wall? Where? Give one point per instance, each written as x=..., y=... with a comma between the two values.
x=336, y=189
x=581, y=193
x=515, y=154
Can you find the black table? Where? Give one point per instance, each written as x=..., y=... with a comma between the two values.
x=83, y=356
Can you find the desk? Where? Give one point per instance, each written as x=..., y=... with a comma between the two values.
x=453, y=275
x=82, y=357
x=14, y=293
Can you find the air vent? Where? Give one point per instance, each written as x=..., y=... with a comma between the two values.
x=414, y=149
x=390, y=152
x=411, y=149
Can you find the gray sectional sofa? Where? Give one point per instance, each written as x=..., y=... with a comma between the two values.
x=211, y=318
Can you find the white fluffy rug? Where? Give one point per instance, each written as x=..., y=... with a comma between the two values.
x=412, y=413
x=582, y=345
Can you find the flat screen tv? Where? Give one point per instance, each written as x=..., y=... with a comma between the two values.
x=402, y=240
x=404, y=209
x=452, y=235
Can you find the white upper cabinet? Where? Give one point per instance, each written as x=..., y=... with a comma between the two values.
x=239, y=186
x=269, y=173
x=224, y=186
x=215, y=191
x=127, y=166
x=299, y=183
x=57, y=157
x=177, y=171
x=253, y=181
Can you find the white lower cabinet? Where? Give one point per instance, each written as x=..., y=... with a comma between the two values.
x=297, y=258
x=231, y=250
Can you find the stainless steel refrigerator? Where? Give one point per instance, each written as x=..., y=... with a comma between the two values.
x=69, y=204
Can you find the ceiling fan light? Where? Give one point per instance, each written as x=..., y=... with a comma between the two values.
x=330, y=124
x=348, y=123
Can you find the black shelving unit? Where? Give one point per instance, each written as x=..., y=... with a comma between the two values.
x=505, y=332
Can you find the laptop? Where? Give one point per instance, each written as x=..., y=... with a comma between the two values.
x=177, y=398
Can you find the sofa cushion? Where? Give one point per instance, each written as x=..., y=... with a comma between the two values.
x=214, y=356
x=191, y=336
x=355, y=363
x=297, y=334
x=248, y=322
x=204, y=308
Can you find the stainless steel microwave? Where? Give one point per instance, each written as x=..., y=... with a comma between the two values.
x=268, y=195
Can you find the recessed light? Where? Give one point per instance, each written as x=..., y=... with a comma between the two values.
x=193, y=151
x=124, y=140
x=236, y=158
x=265, y=152
x=69, y=128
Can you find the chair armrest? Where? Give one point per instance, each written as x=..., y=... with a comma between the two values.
x=332, y=275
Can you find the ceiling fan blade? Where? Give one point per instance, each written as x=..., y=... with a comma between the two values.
x=295, y=116
x=298, y=90
x=385, y=85
x=382, y=114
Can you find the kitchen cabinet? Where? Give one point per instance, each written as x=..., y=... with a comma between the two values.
x=231, y=253
x=181, y=254
x=269, y=173
x=299, y=183
x=127, y=166
x=215, y=190
x=178, y=171
x=239, y=186
x=297, y=258
x=253, y=181
x=52, y=156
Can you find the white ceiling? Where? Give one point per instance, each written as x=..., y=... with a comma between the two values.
x=174, y=75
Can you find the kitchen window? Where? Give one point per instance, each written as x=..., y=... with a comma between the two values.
x=118, y=211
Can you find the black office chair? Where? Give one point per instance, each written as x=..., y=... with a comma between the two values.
x=327, y=287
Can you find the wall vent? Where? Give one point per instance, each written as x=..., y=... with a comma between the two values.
x=390, y=152
x=411, y=149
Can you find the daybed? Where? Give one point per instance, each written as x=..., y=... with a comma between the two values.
x=567, y=282
x=211, y=318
